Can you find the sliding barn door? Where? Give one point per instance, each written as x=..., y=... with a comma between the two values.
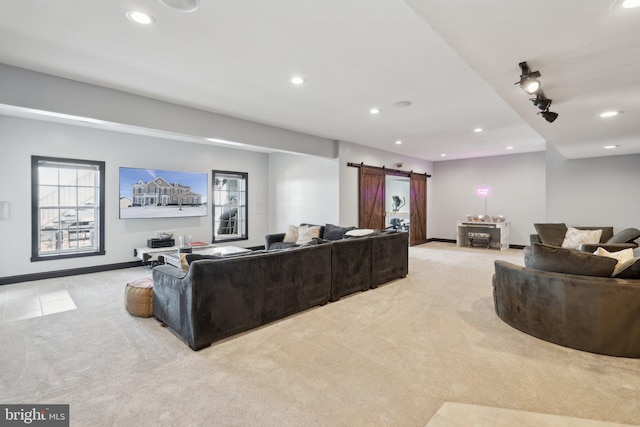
x=372, y=193
x=418, y=221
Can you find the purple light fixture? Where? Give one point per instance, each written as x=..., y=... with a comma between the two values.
x=483, y=191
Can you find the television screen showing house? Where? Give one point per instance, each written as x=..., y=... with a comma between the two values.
x=153, y=193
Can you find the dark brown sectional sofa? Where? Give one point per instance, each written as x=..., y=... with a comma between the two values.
x=589, y=313
x=220, y=297
x=571, y=297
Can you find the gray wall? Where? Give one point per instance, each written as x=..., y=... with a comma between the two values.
x=21, y=138
x=302, y=189
x=318, y=190
x=517, y=184
x=537, y=187
x=596, y=191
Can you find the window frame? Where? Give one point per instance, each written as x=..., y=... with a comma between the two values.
x=242, y=206
x=99, y=220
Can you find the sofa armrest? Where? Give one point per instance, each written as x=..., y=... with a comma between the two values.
x=610, y=247
x=174, y=273
x=269, y=239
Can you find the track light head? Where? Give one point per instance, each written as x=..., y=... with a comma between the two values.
x=528, y=79
x=549, y=116
x=541, y=101
x=530, y=84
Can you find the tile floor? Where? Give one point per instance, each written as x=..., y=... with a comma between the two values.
x=19, y=302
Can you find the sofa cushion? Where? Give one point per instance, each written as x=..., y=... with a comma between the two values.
x=361, y=232
x=551, y=233
x=621, y=258
x=189, y=258
x=628, y=235
x=574, y=238
x=282, y=245
x=334, y=232
x=568, y=261
x=628, y=270
x=306, y=233
x=291, y=236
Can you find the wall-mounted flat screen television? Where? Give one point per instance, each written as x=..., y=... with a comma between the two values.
x=155, y=193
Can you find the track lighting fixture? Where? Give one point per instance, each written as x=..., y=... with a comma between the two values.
x=549, y=116
x=530, y=84
x=541, y=101
x=528, y=79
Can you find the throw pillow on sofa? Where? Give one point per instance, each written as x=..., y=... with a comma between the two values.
x=334, y=232
x=628, y=270
x=568, y=261
x=551, y=233
x=574, y=238
x=361, y=232
x=621, y=258
x=291, y=236
x=307, y=233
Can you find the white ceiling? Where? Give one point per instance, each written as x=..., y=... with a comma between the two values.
x=455, y=60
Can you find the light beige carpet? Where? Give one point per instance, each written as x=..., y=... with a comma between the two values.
x=465, y=415
x=386, y=357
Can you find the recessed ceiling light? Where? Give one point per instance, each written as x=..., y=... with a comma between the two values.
x=510, y=148
x=182, y=5
x=398, y=142
x=374, y=111
x=630, y=4
x=609, y=147
x=443, y=155
x=140, y=17
x=606, y=114
x=297, y=80
x=478, y=130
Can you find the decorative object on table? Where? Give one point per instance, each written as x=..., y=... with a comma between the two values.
x=184, y=244
x=397, y=203
x=483, y=191
x=162, y=239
